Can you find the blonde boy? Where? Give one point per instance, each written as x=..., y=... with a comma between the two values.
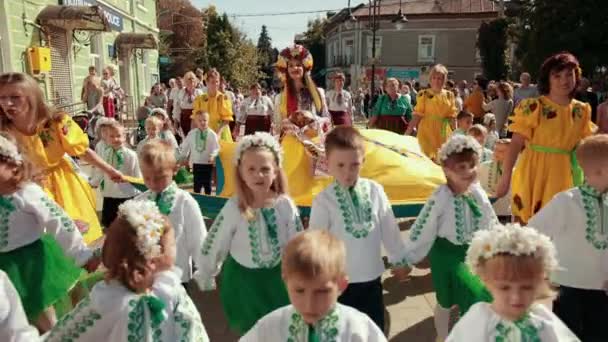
x=158, y=166
x=199, y=148
x=577, y=222
x=479, y=132
x=464, y=121
x=314, y=270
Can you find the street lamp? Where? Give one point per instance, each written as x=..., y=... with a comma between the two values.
x=400, y=20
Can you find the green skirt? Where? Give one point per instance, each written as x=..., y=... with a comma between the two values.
x=41, y=273
x=453, y=281
x=248, y=294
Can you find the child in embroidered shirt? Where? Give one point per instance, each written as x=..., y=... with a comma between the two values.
x=141, y=298
x=166, y=133
x=358, y=211
x=490, y=173
x=200, y=148
x=153, y=126
x=314, y=271
x=36, y=234
x=577, y=221
x=445, y=227
x=249, y=234
x=464, y=121
x=489, y=122
x=513, y=262
x=124, y=160
x=14, y=326
x=158, y=166
x=479, y=132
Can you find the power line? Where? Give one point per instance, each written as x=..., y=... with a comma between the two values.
x=274, y=14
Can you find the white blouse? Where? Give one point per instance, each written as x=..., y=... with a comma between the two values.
x=573, y=220
x=198, y=151
x=454, y=218
x=112, y=312
x=253, y=244
x=124, y=160
x=28, y=213
x=261, y=106
x=14, y=326
x=183, y=101
x=334, y=103
x=187, y=221
x=490, y=173
x=482, y=324
x=341, y=324
x=363, y=218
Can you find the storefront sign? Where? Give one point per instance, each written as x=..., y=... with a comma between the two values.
x=403, y=74
x=113, y=17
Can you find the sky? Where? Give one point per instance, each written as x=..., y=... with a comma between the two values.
x=280, y=28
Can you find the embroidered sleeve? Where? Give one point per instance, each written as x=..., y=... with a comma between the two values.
x=14, y=325
x=319, y=214
x=424, y=230
x=294, y=224
x=188, y=324
x=550, y=219
x=77, y=325
x=186, y=148
x=391, y=235
x=216, y=245
x=54, y=220
x=194, y=228
x=73, y=140
x=526, y=117
x=489, y=218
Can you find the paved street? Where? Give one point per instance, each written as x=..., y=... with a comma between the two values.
x=409, y=304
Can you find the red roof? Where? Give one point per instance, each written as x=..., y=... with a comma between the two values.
x=433, y=7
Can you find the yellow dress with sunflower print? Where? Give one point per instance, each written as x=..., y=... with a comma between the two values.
x=436, y=110
x=219, y=108
x=47, y=151
x=544, y=167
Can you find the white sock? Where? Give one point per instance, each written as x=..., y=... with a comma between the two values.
x=442, y=322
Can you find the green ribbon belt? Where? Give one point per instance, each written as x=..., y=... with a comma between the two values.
x=577, y=172
x=156, y=307
x=7, y=203
x=445, y=123
x=472, y=205
x=312, y=335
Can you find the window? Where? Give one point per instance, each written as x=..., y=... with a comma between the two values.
x=348, y=51
x=96, y=52
x=370, y=46
x=426, y=48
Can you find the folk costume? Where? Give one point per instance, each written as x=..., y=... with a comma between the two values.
x=437, y=111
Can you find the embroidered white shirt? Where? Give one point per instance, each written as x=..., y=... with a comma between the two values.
x=450, y=217
x=489, y=176
x=112, y=312
x=491, y=139
x=14, y=326
x=183, y=101
x=28, y=213
x=482, y=324
x=129, y=166
x=364, y=227
x=188, y=225
x=341, y=324
x=261, y=106
x=253, y=244
x=346, y=105
x=567, y=222
x=197, y=151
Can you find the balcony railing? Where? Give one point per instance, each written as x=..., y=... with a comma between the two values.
x=341, y=61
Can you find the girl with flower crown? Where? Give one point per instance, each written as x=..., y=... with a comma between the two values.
x=141, y=298
x=249, y=234
x=445, y=226
x=513, y=262
x=34, y=235
x=546, y=131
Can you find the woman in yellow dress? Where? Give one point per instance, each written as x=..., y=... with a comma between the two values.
x=217, y=104
x=546, y=131
x=49, y=139
x=434, y=114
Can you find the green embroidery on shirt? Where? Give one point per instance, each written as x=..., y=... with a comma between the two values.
x=465, y=228
x=188, y=327
x=326, y=328
x=164, y=200
x=215, y=227
x=271, y=257
x=6, y=208
x=57, y=212
x=356, y=208
x=595, y=213
x=421, y=220
x=524, y=327
x=74, y=323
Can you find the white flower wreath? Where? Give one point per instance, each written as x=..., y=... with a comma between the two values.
x=259, y=139
x=511, y=239
x=457, y=143
x=148, y=223
x=9, y=150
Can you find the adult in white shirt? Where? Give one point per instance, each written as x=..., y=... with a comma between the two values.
x=256, y=112
x=340, y=102
x=183, y=102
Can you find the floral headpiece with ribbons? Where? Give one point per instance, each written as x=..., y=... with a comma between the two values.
x=149, y=225
x=259, y=139
x=456, y=144
x=9, y=150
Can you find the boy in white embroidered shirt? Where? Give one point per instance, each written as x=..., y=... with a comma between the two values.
x=358, y=211
x=124, y=160
x=158, y=166
x=490, y=173
x=314, y=270
x=577, y=221
x=199, y=149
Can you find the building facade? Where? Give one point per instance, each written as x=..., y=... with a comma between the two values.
x=437, y=31
x=75, y=34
